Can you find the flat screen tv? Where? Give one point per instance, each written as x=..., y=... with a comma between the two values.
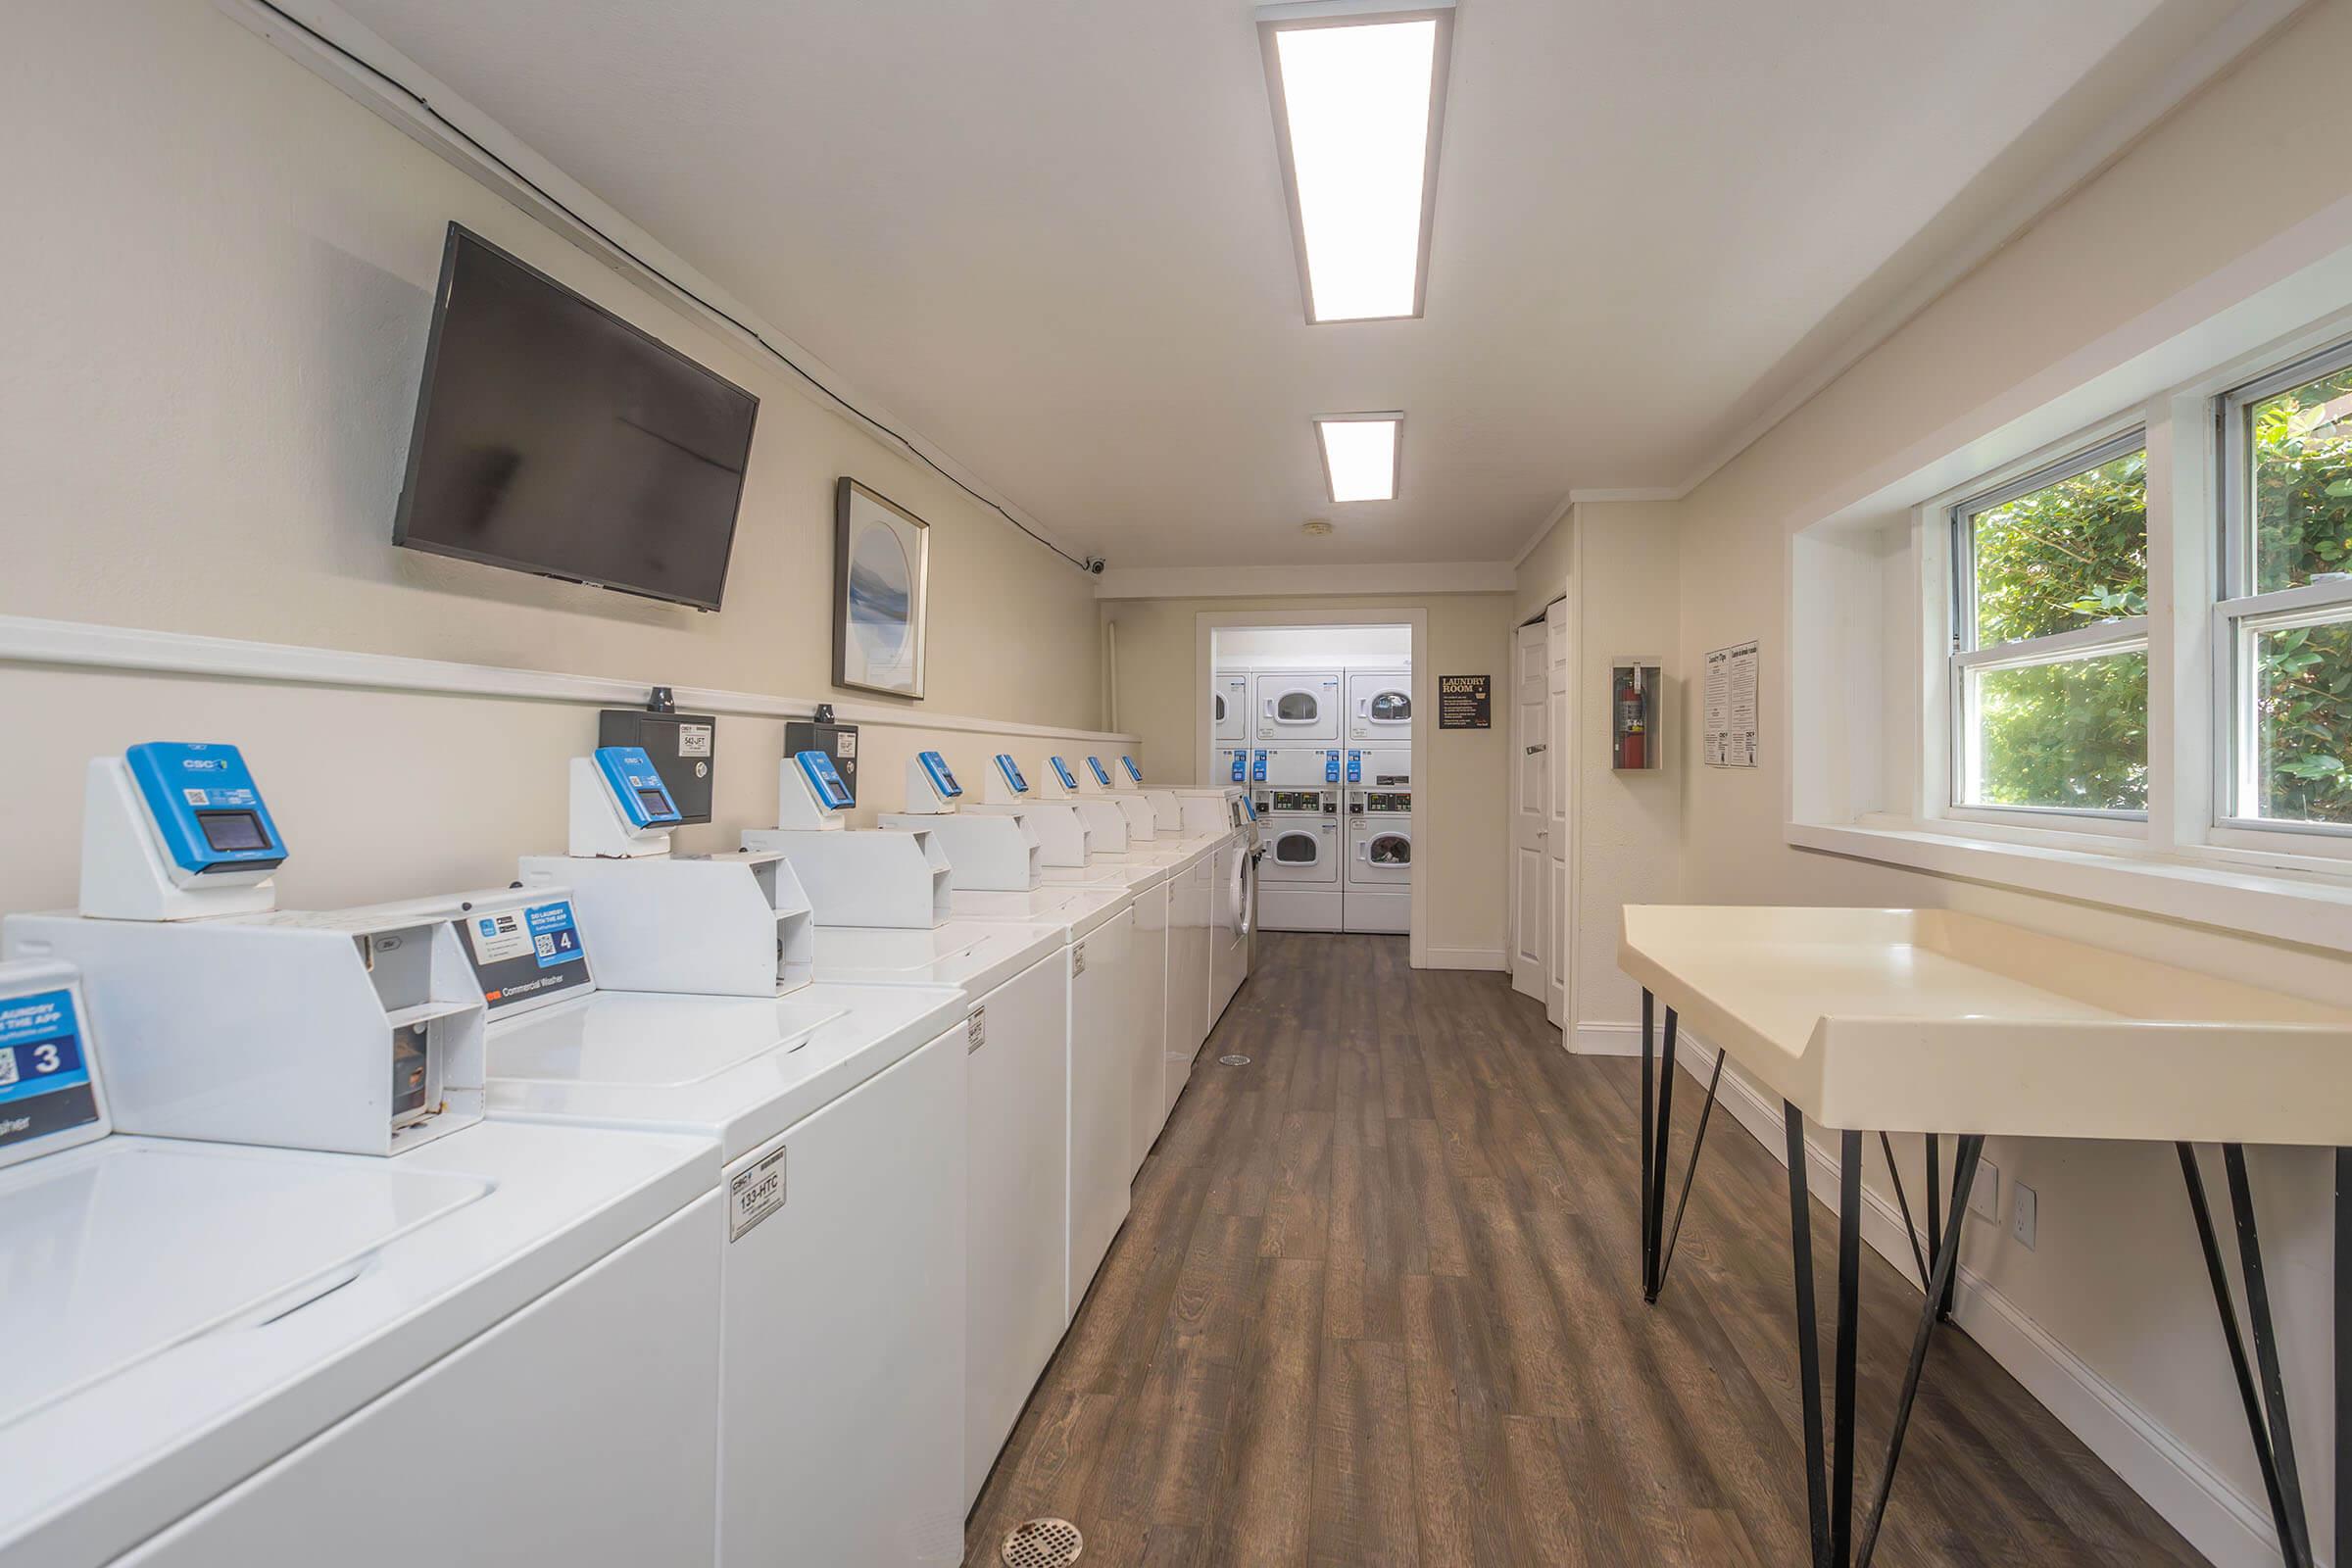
x=554, y=437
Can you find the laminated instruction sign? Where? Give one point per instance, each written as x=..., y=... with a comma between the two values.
x=1730, y=738
x=1465, y=702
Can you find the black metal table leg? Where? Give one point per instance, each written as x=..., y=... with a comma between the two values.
x=1649, y=1126
x=1808, y=1334
x=2265, y=1409
x=1654, y=1242
x=1931, y=1312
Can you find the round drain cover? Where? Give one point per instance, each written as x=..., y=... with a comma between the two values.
x=1043, y=1543
x=1234, y=1062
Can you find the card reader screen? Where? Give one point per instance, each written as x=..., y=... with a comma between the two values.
x=656, y=803
x=232, y=830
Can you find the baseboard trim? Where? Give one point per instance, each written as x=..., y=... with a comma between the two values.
x=1605, y=1040
x=1462, y=958
x=2231, y=1530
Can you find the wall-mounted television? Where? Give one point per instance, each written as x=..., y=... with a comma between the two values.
x=554, y=437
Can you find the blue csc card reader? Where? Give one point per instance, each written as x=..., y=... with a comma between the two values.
x=1010, y=772
x=1062, y=770
x=206, y=807
x=935, y=768
x=637, y=787
x=1102, y=773
x=824, y=781
x=1134, y=773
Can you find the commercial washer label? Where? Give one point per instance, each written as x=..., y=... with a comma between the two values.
x=754, y=1194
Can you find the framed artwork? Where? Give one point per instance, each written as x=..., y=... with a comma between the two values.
x=881, y=571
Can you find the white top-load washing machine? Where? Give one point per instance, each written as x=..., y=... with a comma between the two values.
x=1379, y=886
x=1236, y=907
x=1208, y=818
x=840, y=1112
x=1025, y=1293
x=1046, y=1181
x=1300, y=831
x=336, y=1316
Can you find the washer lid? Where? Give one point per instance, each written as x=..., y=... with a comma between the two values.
x=977, y=954
x=737, y=1068
x=1076, y=910
x=106, y=1262
x=182, y=1314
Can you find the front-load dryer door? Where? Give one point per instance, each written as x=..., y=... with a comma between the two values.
x=1298, y=708
x=1380, y=709
x=1384, y=853
x=1229, y=706
x=1301, y=852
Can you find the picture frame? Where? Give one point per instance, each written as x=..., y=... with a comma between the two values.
x=881, y=592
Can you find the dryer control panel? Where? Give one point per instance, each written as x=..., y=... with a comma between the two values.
x=1384, y=803
x=1324, y=802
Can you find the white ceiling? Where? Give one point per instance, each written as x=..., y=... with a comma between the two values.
x=1051, y=233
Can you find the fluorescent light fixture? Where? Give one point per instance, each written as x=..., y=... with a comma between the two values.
x=1362, y=454
x=1359, y=93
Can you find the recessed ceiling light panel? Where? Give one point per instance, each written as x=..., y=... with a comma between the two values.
x=1362, y=455
x=1359, y=92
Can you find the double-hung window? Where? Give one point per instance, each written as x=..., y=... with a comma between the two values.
x=2283, y=628
x=2050, y=661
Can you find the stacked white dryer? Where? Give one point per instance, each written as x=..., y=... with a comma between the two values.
x=1326, y=756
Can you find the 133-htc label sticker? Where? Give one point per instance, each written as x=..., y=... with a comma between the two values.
x=979, y=1028
x=754, y=1194
x=694, y=740
x=1077, y=960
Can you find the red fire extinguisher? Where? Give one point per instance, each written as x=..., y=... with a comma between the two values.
x=1631, y=720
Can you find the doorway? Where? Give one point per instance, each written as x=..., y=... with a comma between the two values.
x=1321, y=718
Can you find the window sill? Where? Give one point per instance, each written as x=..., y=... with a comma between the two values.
x=2313, y=911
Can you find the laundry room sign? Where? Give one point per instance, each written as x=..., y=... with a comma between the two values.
x=1465, y=702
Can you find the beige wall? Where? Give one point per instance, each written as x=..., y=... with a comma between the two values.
x=1619, y=565
x=224, y=283
x=1461, y=798
x=2114, y=1279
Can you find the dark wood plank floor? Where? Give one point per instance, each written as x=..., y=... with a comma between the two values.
x=1378, y=1303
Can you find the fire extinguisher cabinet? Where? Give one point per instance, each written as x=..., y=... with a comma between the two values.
x=1636, y=711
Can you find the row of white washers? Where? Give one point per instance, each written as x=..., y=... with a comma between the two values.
x=637, y=1213
x=1328, y=756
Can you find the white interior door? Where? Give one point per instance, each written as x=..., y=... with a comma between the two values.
x=1559, y=772
x=1530, y=801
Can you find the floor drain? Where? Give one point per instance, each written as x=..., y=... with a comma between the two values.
x=1233, y=1061
x=1043, y=1543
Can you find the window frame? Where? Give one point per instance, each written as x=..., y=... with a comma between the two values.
x=2120, y=635
x=2242, y=612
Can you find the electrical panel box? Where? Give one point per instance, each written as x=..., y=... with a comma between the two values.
x=682, y=747
x=837, y=741
x=1637, y=693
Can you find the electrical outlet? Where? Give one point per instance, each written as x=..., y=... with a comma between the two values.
x=1985, y=1194
x=2022, y=1215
